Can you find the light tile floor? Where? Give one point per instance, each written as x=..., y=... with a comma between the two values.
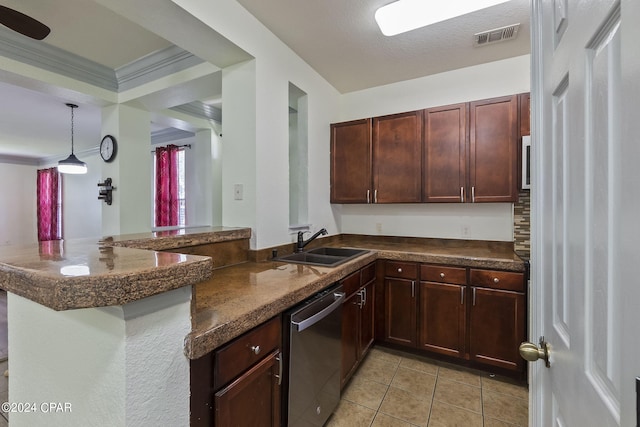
x=392, y=389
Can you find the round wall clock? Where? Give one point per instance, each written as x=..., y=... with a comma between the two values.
x=108, y=148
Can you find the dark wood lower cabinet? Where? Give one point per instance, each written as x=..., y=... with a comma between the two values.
x=253, y=399
x=400, y=311
x=239, y=383
x=350, y=317
x=442, y=320
x=496, y=328
x=480, y=316
x=357, y=319
x=367, y=327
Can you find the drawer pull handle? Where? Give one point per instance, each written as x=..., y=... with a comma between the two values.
x=279, y=376
x=255, y=349
x=496, y=280
x=442, y=275
x=399, y=270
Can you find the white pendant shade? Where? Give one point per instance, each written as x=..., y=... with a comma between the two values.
x=72, y=165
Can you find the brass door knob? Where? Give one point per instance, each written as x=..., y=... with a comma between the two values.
x=531, y=352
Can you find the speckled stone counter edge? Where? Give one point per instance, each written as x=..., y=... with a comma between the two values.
x=103, y=290
x=162, y=242
x=199, y=343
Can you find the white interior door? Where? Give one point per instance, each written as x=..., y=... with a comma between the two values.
x=586, y=211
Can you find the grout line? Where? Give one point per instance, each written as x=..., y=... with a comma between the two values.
x=433, y=397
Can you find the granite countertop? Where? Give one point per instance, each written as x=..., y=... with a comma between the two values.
x=173, y=239
x=240, y=297
x=85, y=273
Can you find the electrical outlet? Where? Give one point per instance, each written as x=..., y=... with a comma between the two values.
x=464, y=230
x=237, y=191
x=379, y=227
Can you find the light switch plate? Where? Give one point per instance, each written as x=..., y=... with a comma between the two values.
x=237, y=191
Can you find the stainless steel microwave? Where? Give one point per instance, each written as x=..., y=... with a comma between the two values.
x=526, y=162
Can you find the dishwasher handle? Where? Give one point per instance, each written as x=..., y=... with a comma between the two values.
x=303, y=324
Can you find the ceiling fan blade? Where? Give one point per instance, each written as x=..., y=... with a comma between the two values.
x=23, y=24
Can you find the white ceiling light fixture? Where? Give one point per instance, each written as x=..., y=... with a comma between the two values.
x=406, y=15
x=72, y=164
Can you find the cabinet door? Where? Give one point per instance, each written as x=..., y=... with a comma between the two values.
x=493, y=145
x=441, y=318
x=351, y=162
x=445, y=154
x=253, y=399
x=367, y=318
x=497, y=327
x=350, y=326
x=397, y=158
x=524, y=106
x=400, y=311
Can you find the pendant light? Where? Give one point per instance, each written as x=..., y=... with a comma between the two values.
x=72, y=164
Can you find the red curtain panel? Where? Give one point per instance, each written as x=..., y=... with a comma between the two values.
x=49, y=205
x=167, y=203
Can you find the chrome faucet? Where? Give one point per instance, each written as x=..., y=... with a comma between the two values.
x=302, y=243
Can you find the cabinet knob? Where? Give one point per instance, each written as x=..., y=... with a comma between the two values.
x=496, y=280
x=399, y=270
x=255, y=349
x=442, y=275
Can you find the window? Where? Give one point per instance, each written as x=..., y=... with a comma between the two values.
x=169, y=187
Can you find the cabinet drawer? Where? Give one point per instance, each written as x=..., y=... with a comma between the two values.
x=368, y=273
x=402, y=270
x=506, y=280
x=442, y=274
x=351, y=283
x=239, y=355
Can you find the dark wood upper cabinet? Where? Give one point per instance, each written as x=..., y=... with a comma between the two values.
x=524, y=105
x=493, y=149
x=462, y=153
x=445, y=154
x=397, y=158
x=351, y=162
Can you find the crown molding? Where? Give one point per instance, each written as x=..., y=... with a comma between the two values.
x=201, y=110
x=41, y=55
x=169, y=134
x=155, y=65
x=80, y=154
x=19, y=160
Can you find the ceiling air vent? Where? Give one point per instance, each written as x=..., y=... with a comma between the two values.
x=497, y=35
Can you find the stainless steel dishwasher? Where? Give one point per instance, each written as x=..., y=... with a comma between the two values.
x=314, y=362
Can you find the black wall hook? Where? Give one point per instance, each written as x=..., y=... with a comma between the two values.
x=106, y=192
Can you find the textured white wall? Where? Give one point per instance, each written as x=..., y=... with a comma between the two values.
x=260, y=162
x=81, y=210
x=115, y=366
x=18, y=221
x=130, y=211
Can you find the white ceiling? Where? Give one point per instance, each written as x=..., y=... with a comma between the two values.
x=341, y=40
x=338, y=38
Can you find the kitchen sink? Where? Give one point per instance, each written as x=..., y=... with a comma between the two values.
x=325, y=256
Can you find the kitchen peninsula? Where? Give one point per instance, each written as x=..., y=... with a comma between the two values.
x=110, y=326
x=99, y=328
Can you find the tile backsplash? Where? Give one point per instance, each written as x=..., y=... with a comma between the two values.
x=522, y=224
